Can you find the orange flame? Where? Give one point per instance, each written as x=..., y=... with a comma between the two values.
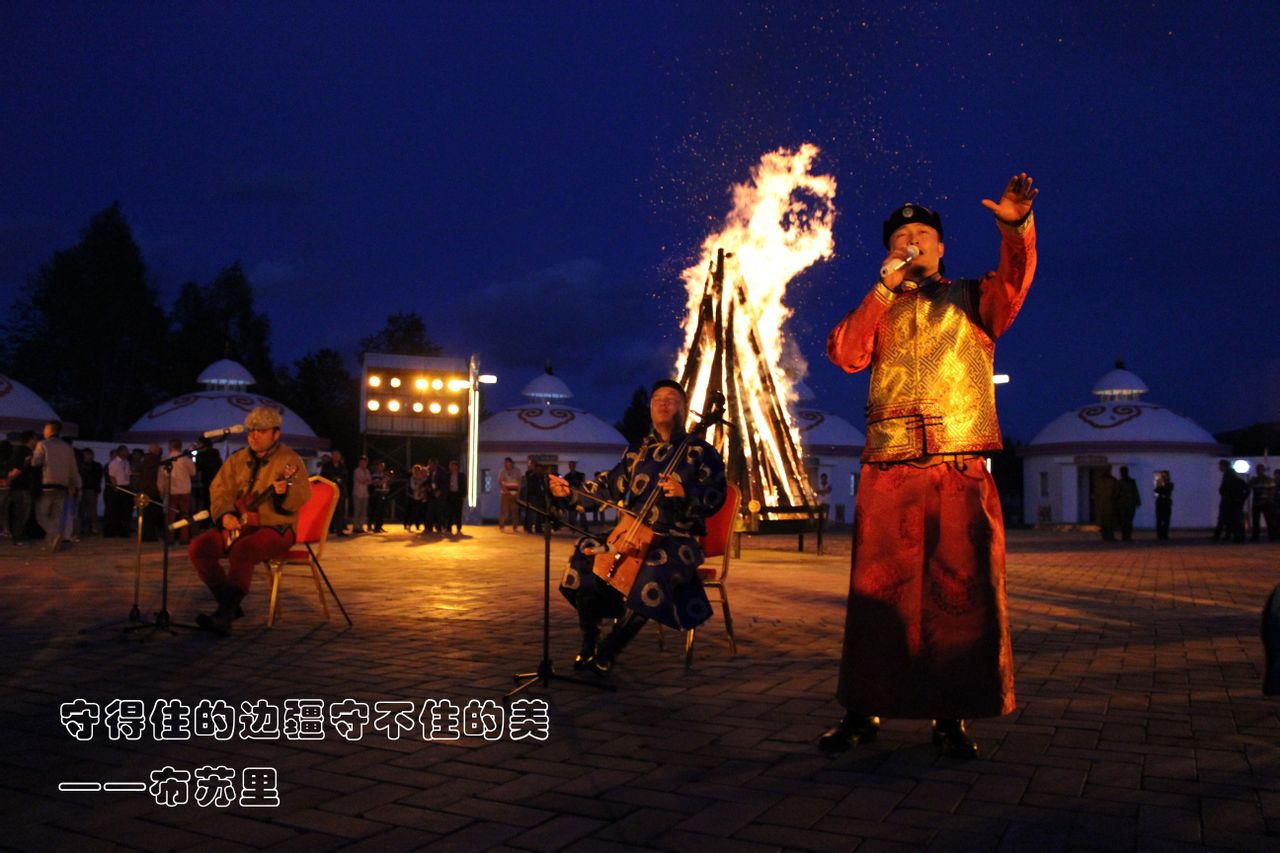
x=780, y=225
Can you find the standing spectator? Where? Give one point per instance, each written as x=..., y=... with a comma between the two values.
x=455, y=490
x=433, y=498
x=1104, y=503
x=823, y=493
x=379, y=492
x=59, y=479
x=535, y=496
x=208, y=461
x=1127, y=502
x=414, y=515
x=360, y=480
x=1264, y=495
x=174, y=482
x=597, y=514
x=90, y=489
x=24, y=484
x=509, y=486
x=1232, y=493
x=1164, y=504
x=576, y=480
x=6, y=451
x=149, y=483
x=335, y=470
x=115, y=520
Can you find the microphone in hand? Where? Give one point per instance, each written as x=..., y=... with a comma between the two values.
x=898, y=263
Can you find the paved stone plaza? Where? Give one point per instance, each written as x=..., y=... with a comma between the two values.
x=1141, y=724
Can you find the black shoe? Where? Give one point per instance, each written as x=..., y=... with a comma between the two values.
x=600, y=665
x=853, y=730
x=215, y=623
x=950, y=737
x=219, y=622
x=587, y=653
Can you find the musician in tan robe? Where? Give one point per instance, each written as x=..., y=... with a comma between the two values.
x=266, y=468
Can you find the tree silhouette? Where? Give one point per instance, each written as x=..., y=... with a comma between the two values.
x=219, y=321
x=87, y=332
x=404, y=334
x=636, y=423
x=325, y=395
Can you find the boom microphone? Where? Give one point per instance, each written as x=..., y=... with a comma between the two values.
x=893, y=265
x=183, y=522
x=219, y=433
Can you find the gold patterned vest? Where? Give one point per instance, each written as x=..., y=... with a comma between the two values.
x=931, y=389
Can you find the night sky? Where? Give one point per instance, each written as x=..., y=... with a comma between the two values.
x=532, y=177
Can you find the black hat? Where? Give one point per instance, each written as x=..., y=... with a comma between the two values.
x=908, y=214
x=668, y=383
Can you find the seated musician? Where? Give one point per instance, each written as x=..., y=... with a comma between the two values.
x=667, y=587
x=254, y=501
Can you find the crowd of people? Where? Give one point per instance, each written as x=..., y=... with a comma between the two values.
x=55, y=493
x=50, y=490
x=429, y=500
x=1244, y=506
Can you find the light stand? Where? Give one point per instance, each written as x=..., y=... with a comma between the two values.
x=546, y=671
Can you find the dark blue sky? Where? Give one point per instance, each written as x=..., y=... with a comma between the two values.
x=531, y=177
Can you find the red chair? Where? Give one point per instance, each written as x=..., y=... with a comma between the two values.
x=313, y=529
x=715, y=573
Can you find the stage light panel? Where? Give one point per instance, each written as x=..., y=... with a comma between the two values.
x=375, y=381
x=418, y=407
x=393, y=405
x=435, y=408
x=395, y=382
x=374, y=405
x=453, y=408
x=437, y=384
x=421, y=383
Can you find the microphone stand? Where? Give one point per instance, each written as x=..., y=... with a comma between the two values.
x=162, y=621
x=546, y=671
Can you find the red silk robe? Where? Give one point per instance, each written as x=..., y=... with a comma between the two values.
x=927, y=630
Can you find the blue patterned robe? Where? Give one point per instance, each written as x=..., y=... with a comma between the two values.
x=667, y=587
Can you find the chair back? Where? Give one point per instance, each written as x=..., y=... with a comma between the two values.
x=314, y=515
x=720, y=525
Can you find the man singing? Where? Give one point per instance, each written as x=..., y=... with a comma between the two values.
x=667, y=587
x=270, y=474
x=927, y=633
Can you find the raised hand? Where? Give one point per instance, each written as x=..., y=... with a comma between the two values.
x=1015, y=203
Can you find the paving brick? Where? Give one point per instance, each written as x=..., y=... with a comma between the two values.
x=557, y=833
x=1140, y=726
x=790, y=838
x=641, y=826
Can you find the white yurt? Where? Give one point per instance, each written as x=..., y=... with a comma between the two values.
x=1121, y=428
x=223, y=402
x=831, y=446
x=550, y=431
x=21, y=408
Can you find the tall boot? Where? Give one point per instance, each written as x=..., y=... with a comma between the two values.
x=586, y=654
x=951, y=738
x=613, y=644
x=229, y=598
